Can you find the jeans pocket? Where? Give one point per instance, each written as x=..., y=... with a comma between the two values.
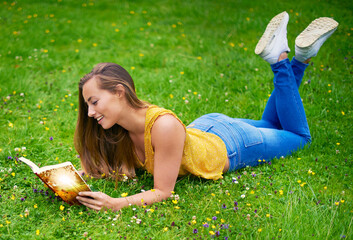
x=251, y=135
x=225, y=133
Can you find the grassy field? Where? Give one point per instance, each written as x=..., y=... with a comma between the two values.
x=193, y=57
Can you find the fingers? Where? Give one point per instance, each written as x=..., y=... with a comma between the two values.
x=94, y=200
x=89, y=194
x=87, y=200
x=92, y=206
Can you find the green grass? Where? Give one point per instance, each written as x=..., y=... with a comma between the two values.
x=47, y=46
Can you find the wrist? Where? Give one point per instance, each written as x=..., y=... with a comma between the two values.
x=127, y=202
x=120, y=203
x=115, y=204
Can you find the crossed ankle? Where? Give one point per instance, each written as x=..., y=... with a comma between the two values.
x=283, y=56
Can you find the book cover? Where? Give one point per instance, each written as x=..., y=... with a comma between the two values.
x=63, y=179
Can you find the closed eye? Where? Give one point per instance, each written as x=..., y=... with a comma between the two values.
x=95, y=102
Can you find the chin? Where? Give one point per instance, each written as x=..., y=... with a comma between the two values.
x=106, y=127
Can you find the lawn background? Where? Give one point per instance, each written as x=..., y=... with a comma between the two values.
x=193, y=57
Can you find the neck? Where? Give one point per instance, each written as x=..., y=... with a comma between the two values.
x=134, y=121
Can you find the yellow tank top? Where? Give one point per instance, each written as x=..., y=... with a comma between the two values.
x=204, y=155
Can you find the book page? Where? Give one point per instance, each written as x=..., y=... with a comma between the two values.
x=31, y=164
x=45, y=168
x=65, y=181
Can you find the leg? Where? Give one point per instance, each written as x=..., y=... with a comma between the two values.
x=307, y=45
x=276, y=143
x=271, y=45
x=256, y=143
x=285, y=109
x=270, y=112
x=298, y=70
x=246, y=144
x=274, y=42
x=290, y=109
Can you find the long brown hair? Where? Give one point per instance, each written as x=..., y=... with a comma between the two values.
x=106, y=152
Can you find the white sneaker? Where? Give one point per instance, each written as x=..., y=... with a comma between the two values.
x=308, y=42
x=274, y=40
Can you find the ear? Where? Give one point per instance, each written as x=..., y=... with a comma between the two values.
x=120, y=91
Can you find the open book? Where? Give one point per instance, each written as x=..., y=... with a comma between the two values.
x=62, y=178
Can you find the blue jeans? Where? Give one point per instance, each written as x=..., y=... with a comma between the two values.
x=282, y=129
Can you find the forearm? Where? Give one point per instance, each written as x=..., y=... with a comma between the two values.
x=147, y=197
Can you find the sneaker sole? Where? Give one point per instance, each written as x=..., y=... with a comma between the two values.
x=272, y=26
x=315, y=30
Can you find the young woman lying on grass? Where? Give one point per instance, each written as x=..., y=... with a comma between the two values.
x=117, y=132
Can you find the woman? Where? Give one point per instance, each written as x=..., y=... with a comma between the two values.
x=116, y=132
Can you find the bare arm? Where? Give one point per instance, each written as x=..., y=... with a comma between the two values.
x=168, y=137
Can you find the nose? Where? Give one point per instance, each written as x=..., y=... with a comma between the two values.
x=91, y=112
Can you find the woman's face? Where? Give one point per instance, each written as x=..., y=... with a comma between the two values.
x=103, y=105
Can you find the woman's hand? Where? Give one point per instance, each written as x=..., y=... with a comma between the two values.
x=98, y=201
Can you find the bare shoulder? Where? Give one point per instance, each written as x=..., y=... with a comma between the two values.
x=166, y=126
x=167, y=120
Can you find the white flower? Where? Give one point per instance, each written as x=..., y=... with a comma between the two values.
x=176, y=197
x=242, y=196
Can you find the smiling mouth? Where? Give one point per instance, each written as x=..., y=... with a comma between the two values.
x=100, y=118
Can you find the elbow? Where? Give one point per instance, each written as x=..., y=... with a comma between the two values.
x=163, y=194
